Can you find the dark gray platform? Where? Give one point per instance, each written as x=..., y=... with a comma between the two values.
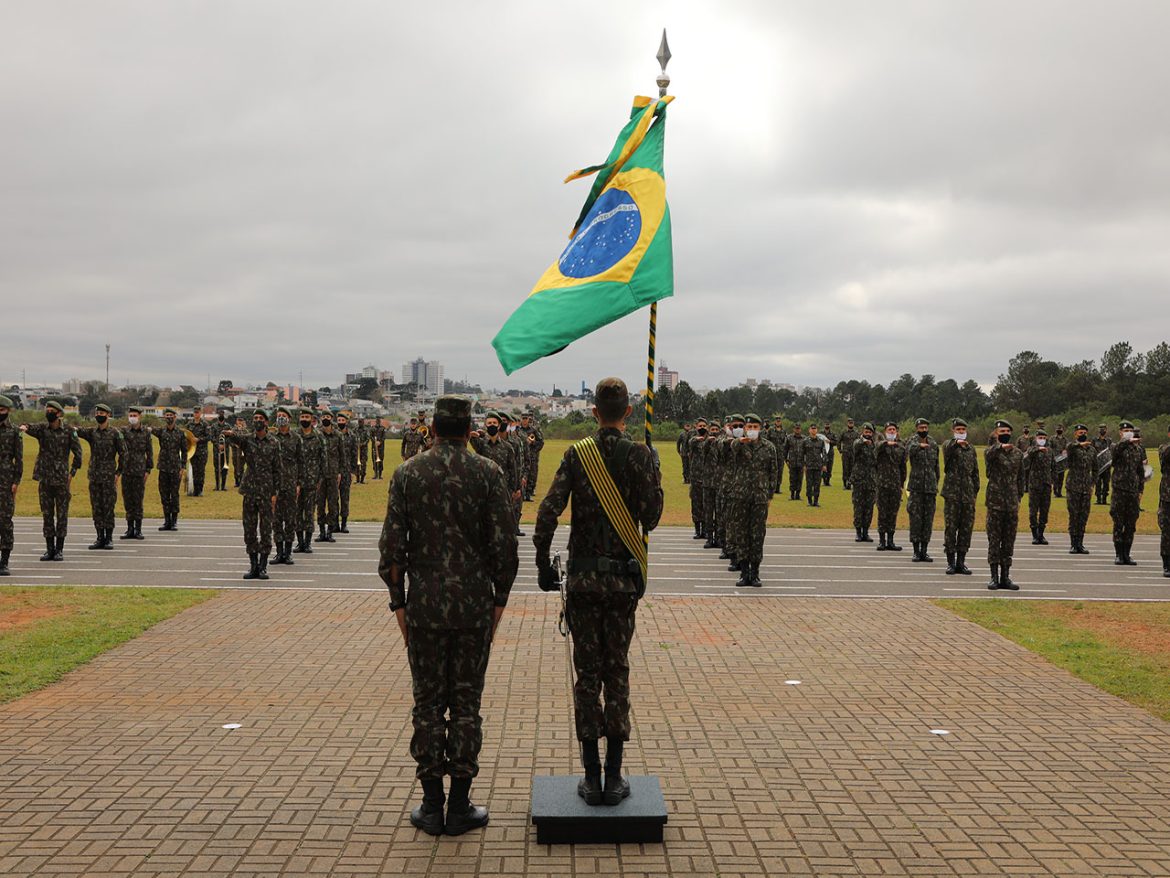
x=562, y=817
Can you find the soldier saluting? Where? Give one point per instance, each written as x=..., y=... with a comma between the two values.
x=449, y=527
x=616, y=492
x=11, y=472
x=54, y=474
x=107, y=457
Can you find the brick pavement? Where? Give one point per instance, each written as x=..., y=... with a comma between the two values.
x=123, y=767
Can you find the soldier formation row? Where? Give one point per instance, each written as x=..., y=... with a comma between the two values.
x=734, y=469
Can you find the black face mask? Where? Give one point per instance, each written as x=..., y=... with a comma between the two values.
x=922, y=433
x=220, y=419
x=701, y=432
x=259, y=425
x=492, y=429
x=1005, y=438
x=1060, y=432
x=306, y=425
x=1082, y=437
x=101, y=419
x=51, y=416
x=325, y=422
x=3, y=417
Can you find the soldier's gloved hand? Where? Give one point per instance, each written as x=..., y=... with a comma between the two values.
x=546, y=577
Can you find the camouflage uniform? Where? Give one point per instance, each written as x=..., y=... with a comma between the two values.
x=378, y=437
x=362, y=435
x=778, y=437
x=503, y=452
x=313, y=463
x=721, y=455
x=329, y=492
x=863, y=482
x=449, y=529
x=258, y=486
x=412, y=442
x=1102, y=443
x=1128, y=481
x=1081, y=479
x=201, y=430
x=172, y=463
x=694, y=457
x=53, y=472
x=533, y=449
x=219, y=461
x=829, y=455
x=1005, y=482
x=1163, y=506
x=848, y=443
x=812, y=460
x=137, y=462
x=922, y=485
x=959, y=490
x=753, y=468
x=1059, y=445
x=107, y=455
x=891, y=476
x=709, y=461
x=680, y=445
x=292, y=475
x=520, y=449
x=795, y=455
x=603, y=591
x=1039, y=475
x=349, y=467
x=11, y=472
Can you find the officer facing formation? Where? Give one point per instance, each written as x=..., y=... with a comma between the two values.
x=259, y=486
x=1129, y=478
x=107, y=457
x=813, y=460
x=11, y=472
x=412, y=440
x=1039, y=477
x=863, y=482
x=891, y=476
x=922, y=456
x=694, y=453
x=448, y=526
x=959, y=491
x=680, y=445
x=172, y=462
x=1005, y=482
x=54, y=472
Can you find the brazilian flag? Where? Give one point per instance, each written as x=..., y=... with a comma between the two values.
x=619, y=255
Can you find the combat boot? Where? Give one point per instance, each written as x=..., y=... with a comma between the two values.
x=756, y=582
x=890, y=544
x=288, y=553
x=951, y=568
x=710, y=544
x=1118, y=549
x=994, y=584
x=589, y=787
x=1127, y=559
x=1040, y=536
x=129, y=535
x=50, y=547
x=100, y=541
x=1165, y=565
x=345, y=528
x=961, y=564
x=429, y=815
x=916, y=546
x=724, y=555
x=253, y=567
x=923, y=556
x=329, y=538
x=734, y=564
x=4, y=553
x=1005, y=579
x=138, y=529
x=698, y=532
x=1035, y=537
x=865, y=537
x=59, y=549
x=745, y=576
x=616, y=786
x=462, y=814
x=309, y=542
x=263, y=570
x=300, y=546
x=1081, y=550
x=881, y=546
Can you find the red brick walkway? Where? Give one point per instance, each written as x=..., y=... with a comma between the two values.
x=124, y=769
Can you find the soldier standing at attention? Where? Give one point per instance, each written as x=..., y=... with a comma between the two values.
x=11, y=472
x=327, y=498
x=606, y=578
x=922, y=455
x=362, y=435
x=313, y=463
x=830, y=453
x=349, y=466
x=1102, y=443
x=1025, y=441
x=219, y=464
x=449, y=527
x=680, y=445
x=795, y=455
x=107, y=458
x=534, y=438
x=493, y=444
x=960, y=488
x=1039, y=474
x=812, y=460
x=411, y=440
x=237, y=455
x=378, y=437
x=292, y=477
x=259, y=487
x=848, y=440
x=54, y=474
x=863, y=482
x=779, y=439
x=1005, y=480
x=1129, y=479
x=1059, y=445
x=172, y=462
x=1082, y=478
x=725, y=512
x=753, y=474
x=1163, y=506
x=694, y=457
x=891, y=476
x=137, y=462
x=200, y=430
x=508, y=426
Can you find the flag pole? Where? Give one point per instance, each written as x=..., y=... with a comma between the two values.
x=663, y=81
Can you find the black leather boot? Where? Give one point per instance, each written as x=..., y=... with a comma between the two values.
x=916, y=546
x=321, y=536
x=263, y=570
x=881, y=546
x=890, y=544
x=961, y=564
x=344, y=525
x=589, y=787
x=616, y=786
x=951, y=569
x=698, y=532
x=4, y=553
x=724, y=555
x=309, y=542
x=859, y=538
x=129, y=535
x=734, y=564
x=429, y=815
x=59, y=549
x=300, y=546
x=710, y=544
x=253, y=566
x=865, y=537
x=100, y=539
x=1165, y=565
x=745, y=575
x=462, y=815
x=1118, y=552
x=1040, y=536
x=1005, y=579
x=756, y=582
x=138, y=529
x=1035, y=537
x=1129, y=562
x=50, y=548
x=329, y=538
x=994, y=583
x=923, y=556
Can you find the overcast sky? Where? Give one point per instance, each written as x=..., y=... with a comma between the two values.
x=253, y=189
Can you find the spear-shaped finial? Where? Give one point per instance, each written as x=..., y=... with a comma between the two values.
x=663, y=60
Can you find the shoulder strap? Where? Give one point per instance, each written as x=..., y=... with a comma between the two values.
x=602, y=483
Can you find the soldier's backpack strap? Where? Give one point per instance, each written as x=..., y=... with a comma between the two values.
x=612, y=504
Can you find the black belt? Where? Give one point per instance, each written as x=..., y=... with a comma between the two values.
x=604, y=565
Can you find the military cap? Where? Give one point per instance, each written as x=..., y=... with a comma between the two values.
x=611, y=389
x=1080, y=427
x=170, y=411
x=700, y=420
x=999, y=424
x=922, y=422
x=1041, y=432
x=53, y=404
x=1126, y=425
x=5, y=401
x=893, y=424
x=1100, y=426
x=849, y=420
x=284, y=410
x=134, y=410
x=345, y=413
x=868, y=425
x=504, y=416
x=812, y=424
x=958, y=422
x=261, y=413
x=492, y=414
x=777, y=416
x=304, y=410
x=453, y=406
x=752, y=418
x=735, y=417
x=102, y=407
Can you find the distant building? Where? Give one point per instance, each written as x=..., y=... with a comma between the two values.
x=667, y=378
x=427, y=375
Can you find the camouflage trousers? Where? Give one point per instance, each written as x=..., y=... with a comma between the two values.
x=306, y=506
x=379, y=457
x=697, y=504
x=237, y=464
x=363, y=461
x=1039, y=502
x=889, y=502
x=7, y=508
x=812, y=484
x=1058, y=485
x=343, y=494
x=709, y=510
x=779, y=476
x=533, y=471
x=959, y=522
x=920, y=508
x=603, y=627
x=1002, y=525
x=199, y=467
x=863, y=500
x=258, y=524
x=1163, y=525
x=168, y=490
x=686, y=468
x=795, y=479
x=327, y=499
x=447, y=669
x=54, y=509
x=284, y=521
x=133, y=491
x=1103, y=486
x=721, y=515
x=828, y=466
x=103, y=496
x=846, y=469
x=1079, y=504
x=750, y=526
x=1124, y=509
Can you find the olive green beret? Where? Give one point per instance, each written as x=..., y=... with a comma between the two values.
x=958, y=422
x=1041, y=432
x=868, y=425
x=1126, y=425
x=453, y=406
x=1080, y=427
x=134, y=410
x=284, y=410
x=53, y=404
x=5, y=401
x=735, y=417
x=492, y=414
x=700, y=420
x=922, y=422
x=893, y=424
x=752, y=418
x=170, y=412
x=1001, y=424
x=261, y=413
x=102, y=407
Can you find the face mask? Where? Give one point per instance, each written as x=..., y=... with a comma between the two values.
x=1040, y=443
x=3, y=417
x=220, y=419
x=1060, y=432
x=754, y=433
x=325, y=422
x=890, y=437
x=492, y=429
x=282, y=421
x=960, y=437
x=258, y=425
x=1005, y=438
x=50, y=416
x=737, y=432
x=1082, y=437
x=306, y=425
x=133, y=419
x=101, y=419
x=701, y=432
x=1101, y=432
x=867, y=435
x=511, y=428
x=170, y=422
x=341, y=425
x=1127, y=435
x=922, y=433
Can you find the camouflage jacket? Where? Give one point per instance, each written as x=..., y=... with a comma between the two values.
x=201, y=430
x=172, y=449
x=521, y=445
x=378, y=434
x=312, y=457
x=1101, y=443
x=1129, y=468
x=349, y=451
x=1025, y=442
x=107, y=452
x=412, y=442
x=1058, y=443
x=891, y=466
x=961, y=471
x=449, y=529
x=794, y=453
x=723, y=460
x=812, y=453
x=923, y=462
x=592, y=537
x=11, y=455
x=832, y=437
x=537, y=444
x=1005, y=477
x=261, y=463
x=753, y=470
x=332, y=454
x=292, y=460
x=696, y=452
x=849, y=442
x=681, y=443
x=1164, y=468
x=215, y=430
x=138, y=456
x=58, y=444
x=1039, y=470
x=1081, y=474
x=503, y=453
x=864, y=473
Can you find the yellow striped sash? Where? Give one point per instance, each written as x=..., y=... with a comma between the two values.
x=611, y=501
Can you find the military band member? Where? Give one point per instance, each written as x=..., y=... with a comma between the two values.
x=11, y=472
x=200, y=429
x=219, y=460
x=1039, y=476
x=107, y=456
x=534, y=437
x=237, y=455
x=848, y=440
x=349, y=466
x=1005, y=482
x=1102, y=442
x=1128, y=482
x=313, y=462
x=259, y=487
x=362, y=434
x=752, y=461
x=604, y=585
x=1163, y=505
x=172, y=463
x=813, y=461
x=286, y=516
x=1058, y=444
x=58, y=461
x=922, y=485
x=694, y=456
x=137, y=462
x=1081, y=480
x=328, y=514
x=378, y=438
x=891, y=476
x=795, y=457
x=412, y=440
x=959, y=491
x=863, y=482
x=830, y=453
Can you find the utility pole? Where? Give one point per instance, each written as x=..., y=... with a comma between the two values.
x=107, y=368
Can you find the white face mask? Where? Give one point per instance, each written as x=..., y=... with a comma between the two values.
x=753, y=433
x=1040, y=443
x=960, y=437
x=133, y=419
x=1127, y=435
x=737, y=432
x=891, y=436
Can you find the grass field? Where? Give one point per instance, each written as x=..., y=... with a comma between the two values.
x=47, y=632
x=368, y=501
x=1123, y=648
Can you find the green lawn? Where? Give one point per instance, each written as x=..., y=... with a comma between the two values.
x=47, y=632
x=368, y=501
x=1123, y=648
